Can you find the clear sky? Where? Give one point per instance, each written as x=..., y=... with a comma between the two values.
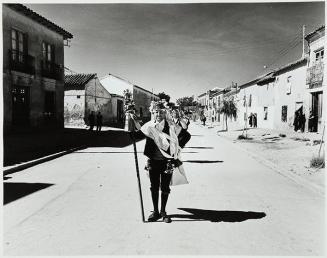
x=183, y=49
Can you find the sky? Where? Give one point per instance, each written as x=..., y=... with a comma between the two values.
x=183, y=49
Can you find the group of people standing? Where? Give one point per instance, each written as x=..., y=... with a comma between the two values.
x=95, y=120
x=253, y=120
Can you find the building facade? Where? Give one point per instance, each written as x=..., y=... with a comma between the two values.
x=84, y=94
x=33, y=70
x=315, y=77
x=142, y=97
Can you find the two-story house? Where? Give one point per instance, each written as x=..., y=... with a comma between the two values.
x=33, y=70
x=315, y=77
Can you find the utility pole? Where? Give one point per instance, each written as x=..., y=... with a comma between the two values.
x=303, y=44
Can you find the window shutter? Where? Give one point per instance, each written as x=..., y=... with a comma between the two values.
x=52, y=53
x=25, y=43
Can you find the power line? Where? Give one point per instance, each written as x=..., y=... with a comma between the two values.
x=284, y=53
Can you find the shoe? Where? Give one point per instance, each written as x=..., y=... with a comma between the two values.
x=154, y=216
x=165, y=217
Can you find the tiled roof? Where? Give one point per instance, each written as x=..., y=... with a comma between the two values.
x=291, y=65
x=315, y=31
x=40, y=19
x=77, y=81
x=146, y=90
x=268, y=77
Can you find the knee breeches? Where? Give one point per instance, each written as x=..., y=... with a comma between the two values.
x=158, y=177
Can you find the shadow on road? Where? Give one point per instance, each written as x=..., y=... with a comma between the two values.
x=218, y=216
x=24, y=147
x=203, y=161
x=15, y=191
x=199, y=147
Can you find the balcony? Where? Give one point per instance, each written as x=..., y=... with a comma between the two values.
x=315, y=75
x=51, y=70
x=20, y=62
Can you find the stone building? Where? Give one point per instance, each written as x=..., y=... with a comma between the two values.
x=142, y=97
x=84, y=94
x=33, y=70
x=315, y=77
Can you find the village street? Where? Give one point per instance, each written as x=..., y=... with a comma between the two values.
x=87, y=203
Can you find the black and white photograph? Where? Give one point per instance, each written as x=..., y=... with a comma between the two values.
x=163, y=128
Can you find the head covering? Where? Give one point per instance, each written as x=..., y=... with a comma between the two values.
x=155, y=105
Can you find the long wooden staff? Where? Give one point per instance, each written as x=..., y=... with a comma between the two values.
x=132, y=134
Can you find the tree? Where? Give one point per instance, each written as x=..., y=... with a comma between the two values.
x=163, y=95
x=229, y=109
x=186, y=101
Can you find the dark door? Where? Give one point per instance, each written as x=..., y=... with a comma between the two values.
x=20, y=106
x=120, y=112
x=49, y=107
x=316, y=110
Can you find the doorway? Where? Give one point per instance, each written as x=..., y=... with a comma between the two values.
x=316, y=109
x=49, y=107
x=120, y=113
x=20, y=106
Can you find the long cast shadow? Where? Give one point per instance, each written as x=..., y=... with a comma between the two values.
x=203, y=161
x=218, y=216
x=140, y=152
x=15, y=191
x=21, y=148
x=199, y=147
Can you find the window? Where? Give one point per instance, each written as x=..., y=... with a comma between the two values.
x=265, y=113
x=284, y=113
x=288, y=85
x=17, y=46
x=48, y=52
x=319, y=55
x=78, y=96
x=250, y=100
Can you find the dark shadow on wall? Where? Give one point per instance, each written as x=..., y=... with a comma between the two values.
x=218, y=216
x=15, y=191
x=203, y=161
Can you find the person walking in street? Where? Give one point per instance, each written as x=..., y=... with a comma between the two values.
x=99, y=122
x=91, y=119
x=162, y=147
x=203, y=119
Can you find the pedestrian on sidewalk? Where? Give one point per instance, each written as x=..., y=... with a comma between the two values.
x=162, y=147
x=99, y=122
x=91, y=119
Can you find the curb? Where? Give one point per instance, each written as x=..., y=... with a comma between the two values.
x=39, y=161
x=295, y=178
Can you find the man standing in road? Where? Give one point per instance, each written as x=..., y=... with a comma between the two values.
x=162, y=148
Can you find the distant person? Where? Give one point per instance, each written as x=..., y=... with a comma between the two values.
x=91, y=120
x=203, y=119
x=302, y=121
x=250, y=119
x=99, y=122
x=255, y=120
x=311, y=121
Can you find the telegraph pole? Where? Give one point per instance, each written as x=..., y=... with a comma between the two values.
x=303, y=44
